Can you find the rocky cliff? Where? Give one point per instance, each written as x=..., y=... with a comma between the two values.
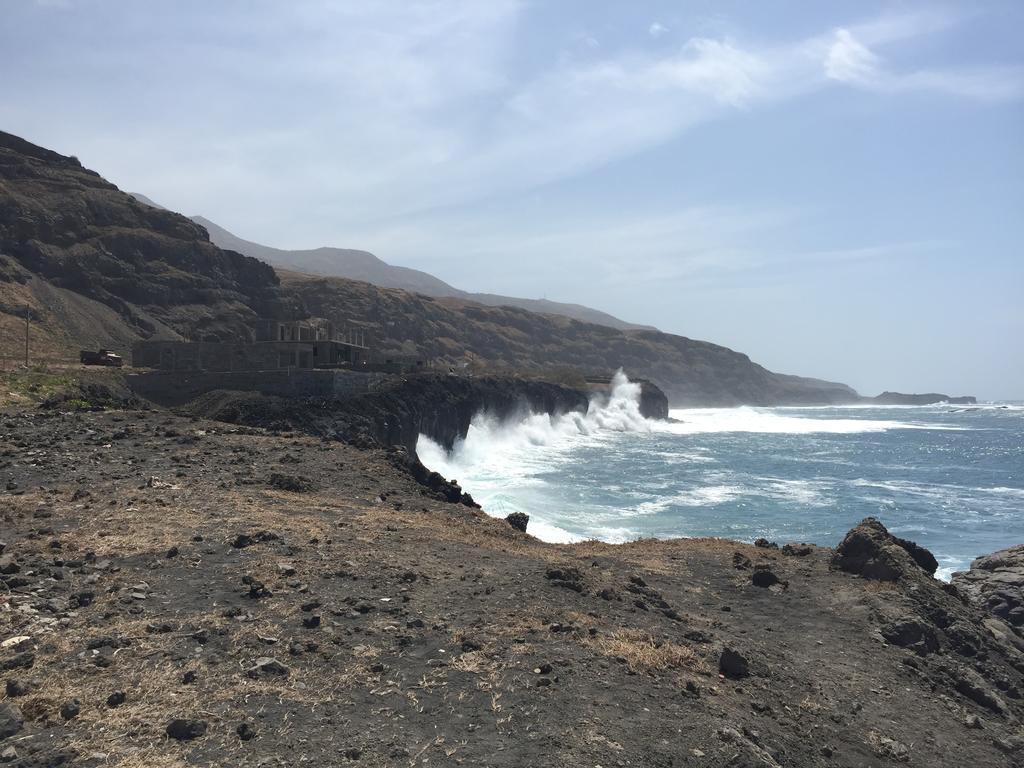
x=995, y=583
x=66, y=231
x=440, y=407
x=690, y=372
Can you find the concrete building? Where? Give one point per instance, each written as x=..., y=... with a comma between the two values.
x=303, y=344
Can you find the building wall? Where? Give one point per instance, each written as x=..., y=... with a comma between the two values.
x=226, y=357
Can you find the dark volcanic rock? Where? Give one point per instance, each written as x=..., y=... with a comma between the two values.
x=733, y=664
x=518, y=520
x=291, y=483
x=156, y=269
x=797, y=550
x=874, y=553
x=763, y=577
x=569, y=577
x=440, y=407
x=182, y=729
x=910, y=632
x=15, y=688
x=11, y=721
x=925, y=559
x=996, y=583
x=266, y=666
x=653, y=402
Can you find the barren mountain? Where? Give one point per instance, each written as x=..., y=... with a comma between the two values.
x=97, y=267
x=363, y=265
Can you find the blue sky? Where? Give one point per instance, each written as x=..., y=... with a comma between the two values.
x=835, y=189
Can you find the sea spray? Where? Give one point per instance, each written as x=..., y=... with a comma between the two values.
x=492, y=440
x=946, y=477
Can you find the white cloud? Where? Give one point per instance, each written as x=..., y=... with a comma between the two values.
x=657, y=29
x=391, y=108
x=850, y=61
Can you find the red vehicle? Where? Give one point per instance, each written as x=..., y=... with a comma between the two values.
x=102, y=357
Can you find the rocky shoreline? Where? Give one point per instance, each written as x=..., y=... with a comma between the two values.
x=180, y=591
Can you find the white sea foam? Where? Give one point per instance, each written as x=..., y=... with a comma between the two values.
x=693, y=421
x=500, y=461
x=936, y=490
x=511, y=466
x=552, y=533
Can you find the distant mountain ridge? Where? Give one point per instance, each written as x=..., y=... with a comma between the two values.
x=355, y=264
x=95, y=267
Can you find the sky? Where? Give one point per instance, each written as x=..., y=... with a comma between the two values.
x=835, y=189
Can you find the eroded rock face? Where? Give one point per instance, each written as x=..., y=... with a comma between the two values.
x=996, y=583
x=874, y=553
x=70, y=227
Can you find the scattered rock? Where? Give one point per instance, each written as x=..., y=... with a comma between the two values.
x=243, y=540
x=245, y=732
x=797, y=550
x=888, y=748
x=764, y=577
x=116, y=699
x=257, y=590
x=290, y=483
x=765, y=544
x=733, y=664
x=69, y=710
x=15, y=688
x=569, y=577
x=909, y=632
x=266, y=666
x=182, y=729
x=11, y=720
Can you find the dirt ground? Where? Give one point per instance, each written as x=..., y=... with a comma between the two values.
x=182, y=592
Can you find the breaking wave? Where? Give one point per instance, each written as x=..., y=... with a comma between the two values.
x=946, y=477
x=515, y=448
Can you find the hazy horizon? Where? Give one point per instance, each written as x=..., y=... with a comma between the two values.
x=836, y=194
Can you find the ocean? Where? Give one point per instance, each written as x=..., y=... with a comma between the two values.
x=949, y=477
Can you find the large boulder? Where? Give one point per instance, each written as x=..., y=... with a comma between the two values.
x=874, y=553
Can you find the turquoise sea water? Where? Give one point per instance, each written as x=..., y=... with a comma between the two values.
x=948, y=477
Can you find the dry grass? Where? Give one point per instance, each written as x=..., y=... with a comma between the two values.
x=642, y=652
